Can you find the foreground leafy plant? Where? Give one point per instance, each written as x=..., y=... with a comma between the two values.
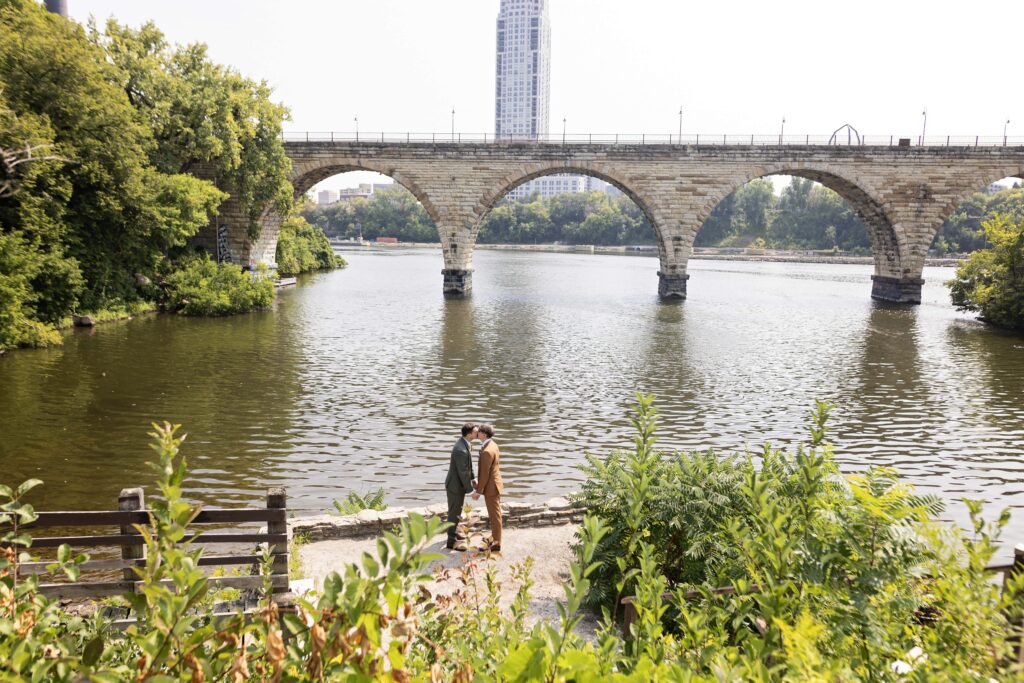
x=356, y=502
x=831, y=578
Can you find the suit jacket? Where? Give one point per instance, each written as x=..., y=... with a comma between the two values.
x=490, y=483
x=460, y=469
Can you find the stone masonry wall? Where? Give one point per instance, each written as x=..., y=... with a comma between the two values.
x=902, y=193
x=368, y=523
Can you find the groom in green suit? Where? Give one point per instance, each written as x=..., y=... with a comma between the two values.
x=458, y=484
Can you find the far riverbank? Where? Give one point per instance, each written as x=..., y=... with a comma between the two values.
x=709, y=254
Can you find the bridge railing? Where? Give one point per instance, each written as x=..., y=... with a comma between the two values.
x=696, y=139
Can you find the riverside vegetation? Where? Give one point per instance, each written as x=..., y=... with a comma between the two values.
x=837, y=579
x=991, y=281
x=104, y=134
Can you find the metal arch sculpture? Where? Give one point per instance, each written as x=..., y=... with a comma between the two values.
x=850, y=133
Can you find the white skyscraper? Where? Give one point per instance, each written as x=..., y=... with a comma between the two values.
x=523, y=70
x=522, y=90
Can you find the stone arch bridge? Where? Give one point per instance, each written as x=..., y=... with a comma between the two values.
x=903, y=194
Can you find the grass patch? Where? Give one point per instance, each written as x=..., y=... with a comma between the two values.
x=115, y=312
x=299, y=539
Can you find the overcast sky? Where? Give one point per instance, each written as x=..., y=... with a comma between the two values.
x=622, y=66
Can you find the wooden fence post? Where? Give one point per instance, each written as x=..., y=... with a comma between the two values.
x=131, y=500
x=629, y=616
x=277, y=499
x=1017, y=623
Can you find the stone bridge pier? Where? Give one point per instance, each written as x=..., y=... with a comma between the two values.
x=902, y=194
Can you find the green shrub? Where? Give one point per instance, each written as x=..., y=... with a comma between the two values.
x=303, y=248
x=203, y=287
x=991, y=281
x=354, y=502
x=37, y=288
x=836, y=579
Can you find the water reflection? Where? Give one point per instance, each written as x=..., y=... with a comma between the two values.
x=77, y=417
x=885, y=413
x=361, y=378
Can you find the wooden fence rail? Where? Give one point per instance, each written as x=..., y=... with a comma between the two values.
x=132, y=513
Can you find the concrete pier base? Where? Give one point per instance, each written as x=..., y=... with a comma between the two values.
x=457, y=282
x=672, y=287
x=896, y=290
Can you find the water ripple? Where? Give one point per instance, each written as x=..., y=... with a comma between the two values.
x=360, y=378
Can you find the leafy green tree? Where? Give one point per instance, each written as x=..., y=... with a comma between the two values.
x=500, y=226
x=963, y=231
x=756, y=202
x=205, y=117
x=991, y=281
x=718, y=227
x=569, y=210
x=39, y=283
x=806, y=211
x=303, y=248
x=121, y=214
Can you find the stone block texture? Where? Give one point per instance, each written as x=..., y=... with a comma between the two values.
x=903, y=194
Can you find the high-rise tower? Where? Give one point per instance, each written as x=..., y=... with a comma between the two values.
x=523, y=70
x=58, y=7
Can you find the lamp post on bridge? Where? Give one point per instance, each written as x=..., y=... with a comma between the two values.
x=453, y=123
x=924, y=125
x=563, y=130
x=782, y=131
x=356, y=119
x=680, y=124
x=1004, y=131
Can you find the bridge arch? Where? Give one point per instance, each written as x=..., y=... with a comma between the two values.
x=510, y=181
x=887, y=242
x=307, y=174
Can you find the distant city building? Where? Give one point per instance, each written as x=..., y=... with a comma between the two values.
x=549, y=186
x=522, y=92
x=522, y=70
x=326, y=197
x=58, y=7
x=597, y=185
x=364, y=191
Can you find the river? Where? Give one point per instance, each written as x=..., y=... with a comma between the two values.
x=360, y=378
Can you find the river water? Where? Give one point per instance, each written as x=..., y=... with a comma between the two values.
x=360, y=378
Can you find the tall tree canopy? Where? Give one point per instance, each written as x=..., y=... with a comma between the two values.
x=205, y=117
x=140, y=143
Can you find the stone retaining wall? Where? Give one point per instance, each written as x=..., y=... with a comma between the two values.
x=515, y=514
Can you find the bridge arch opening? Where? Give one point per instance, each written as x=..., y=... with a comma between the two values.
x=577, y=194
x=571, y=208
x=806, y=209
x=358, y=205
x=358, y=202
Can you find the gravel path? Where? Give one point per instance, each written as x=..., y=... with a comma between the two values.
x=548, y=546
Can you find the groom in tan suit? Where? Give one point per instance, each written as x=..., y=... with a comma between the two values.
x=489, y=483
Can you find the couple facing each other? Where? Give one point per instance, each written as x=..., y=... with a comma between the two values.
x=461, y=481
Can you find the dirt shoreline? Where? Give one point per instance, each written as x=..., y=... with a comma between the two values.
x=549, y=547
